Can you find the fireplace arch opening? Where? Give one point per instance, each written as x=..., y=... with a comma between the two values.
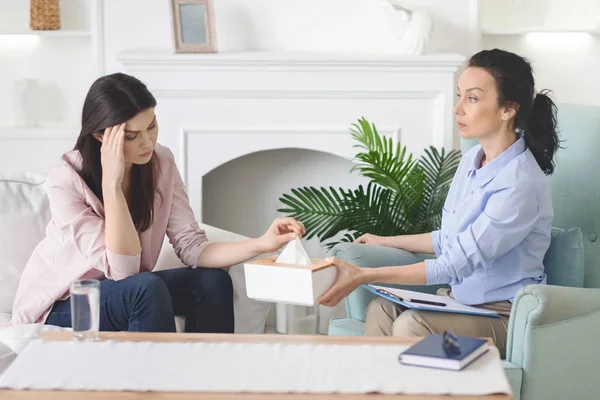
x=243, y=194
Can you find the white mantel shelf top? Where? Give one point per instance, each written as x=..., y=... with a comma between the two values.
x=283, y=58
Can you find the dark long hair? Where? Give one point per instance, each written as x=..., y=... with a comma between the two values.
x=536, y=113
x=112, y=100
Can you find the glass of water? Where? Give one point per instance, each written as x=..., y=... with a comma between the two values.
x=85, y=309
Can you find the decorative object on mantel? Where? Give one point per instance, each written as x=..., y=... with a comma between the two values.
x=26, y=94
x=44, y=15
x=410, y=29
x=193, y=26
x=405, y=196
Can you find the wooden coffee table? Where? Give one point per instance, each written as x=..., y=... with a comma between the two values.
x=191, y=337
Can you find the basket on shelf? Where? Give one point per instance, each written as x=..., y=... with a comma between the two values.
x=44, y=15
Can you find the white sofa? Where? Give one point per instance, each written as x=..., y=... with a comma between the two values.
x=24, y=214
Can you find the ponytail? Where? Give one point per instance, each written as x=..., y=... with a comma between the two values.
x=540, y=132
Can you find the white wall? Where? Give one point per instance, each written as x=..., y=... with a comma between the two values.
x=566, y=63
x=539, y=15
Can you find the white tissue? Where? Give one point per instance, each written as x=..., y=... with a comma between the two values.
x=294, y=253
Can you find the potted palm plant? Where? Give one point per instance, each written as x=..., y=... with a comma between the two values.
x=405, y=195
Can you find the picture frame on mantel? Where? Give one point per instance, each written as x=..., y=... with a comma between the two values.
x=194, y=26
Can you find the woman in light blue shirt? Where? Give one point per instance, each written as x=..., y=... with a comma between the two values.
x=496, y=219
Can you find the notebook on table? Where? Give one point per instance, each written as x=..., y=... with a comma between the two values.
x=430, y=352
x=426, y=301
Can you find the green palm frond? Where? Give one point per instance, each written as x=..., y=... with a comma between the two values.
x=320, y=210
x=385, y=163
x=404, y=196
x=376, y=210
x=326, y=212
x=347, y=238
x=439, y=168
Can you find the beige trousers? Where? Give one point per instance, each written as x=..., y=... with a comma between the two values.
x=385, y=318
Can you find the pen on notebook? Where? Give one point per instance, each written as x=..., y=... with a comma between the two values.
x=432, y=303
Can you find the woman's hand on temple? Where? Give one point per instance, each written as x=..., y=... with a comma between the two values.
x=281, y=231
x=112, y=156
x=349, y=278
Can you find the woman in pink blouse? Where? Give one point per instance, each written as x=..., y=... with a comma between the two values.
x=113, y=199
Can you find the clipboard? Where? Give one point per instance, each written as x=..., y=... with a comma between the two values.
x=426, y=301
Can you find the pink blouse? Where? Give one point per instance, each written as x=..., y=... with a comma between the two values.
x=74, y=244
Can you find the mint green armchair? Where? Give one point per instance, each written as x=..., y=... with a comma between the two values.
x=552, y=350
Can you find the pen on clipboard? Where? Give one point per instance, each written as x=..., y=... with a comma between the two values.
x=431, y=303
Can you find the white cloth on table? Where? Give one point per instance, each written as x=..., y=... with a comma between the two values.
x=242, y=367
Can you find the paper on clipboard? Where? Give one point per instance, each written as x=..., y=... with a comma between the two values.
x=401, y=296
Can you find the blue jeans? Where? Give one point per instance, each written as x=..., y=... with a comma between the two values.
x=148, y=302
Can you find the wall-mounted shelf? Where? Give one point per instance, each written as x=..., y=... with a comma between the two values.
x=517, y=32
x=61, y=33
x=60, y=64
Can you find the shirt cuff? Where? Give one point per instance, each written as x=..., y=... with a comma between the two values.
x=435, y=241
x=435, y=274
x=191, y=257
x=121, y=266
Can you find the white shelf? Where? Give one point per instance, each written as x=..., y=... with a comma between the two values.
x=517, y=32
x=60, y=33
x=38, y=132
x=166, y=58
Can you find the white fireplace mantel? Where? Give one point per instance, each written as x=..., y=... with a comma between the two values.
x=149, y=59
x=214, y=108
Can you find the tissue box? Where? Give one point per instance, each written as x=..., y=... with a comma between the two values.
x=268, y=280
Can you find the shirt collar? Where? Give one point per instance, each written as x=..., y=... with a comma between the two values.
x=486, y=173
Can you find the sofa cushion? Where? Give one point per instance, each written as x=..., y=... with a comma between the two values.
x=24, y=214
x=564, y=260
x=4, y=318
x=6, y=357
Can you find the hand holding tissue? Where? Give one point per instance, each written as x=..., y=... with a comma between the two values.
x=294, y=254
x=291, y=278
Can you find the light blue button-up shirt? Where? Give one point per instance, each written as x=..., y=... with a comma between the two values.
x=495, y=228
